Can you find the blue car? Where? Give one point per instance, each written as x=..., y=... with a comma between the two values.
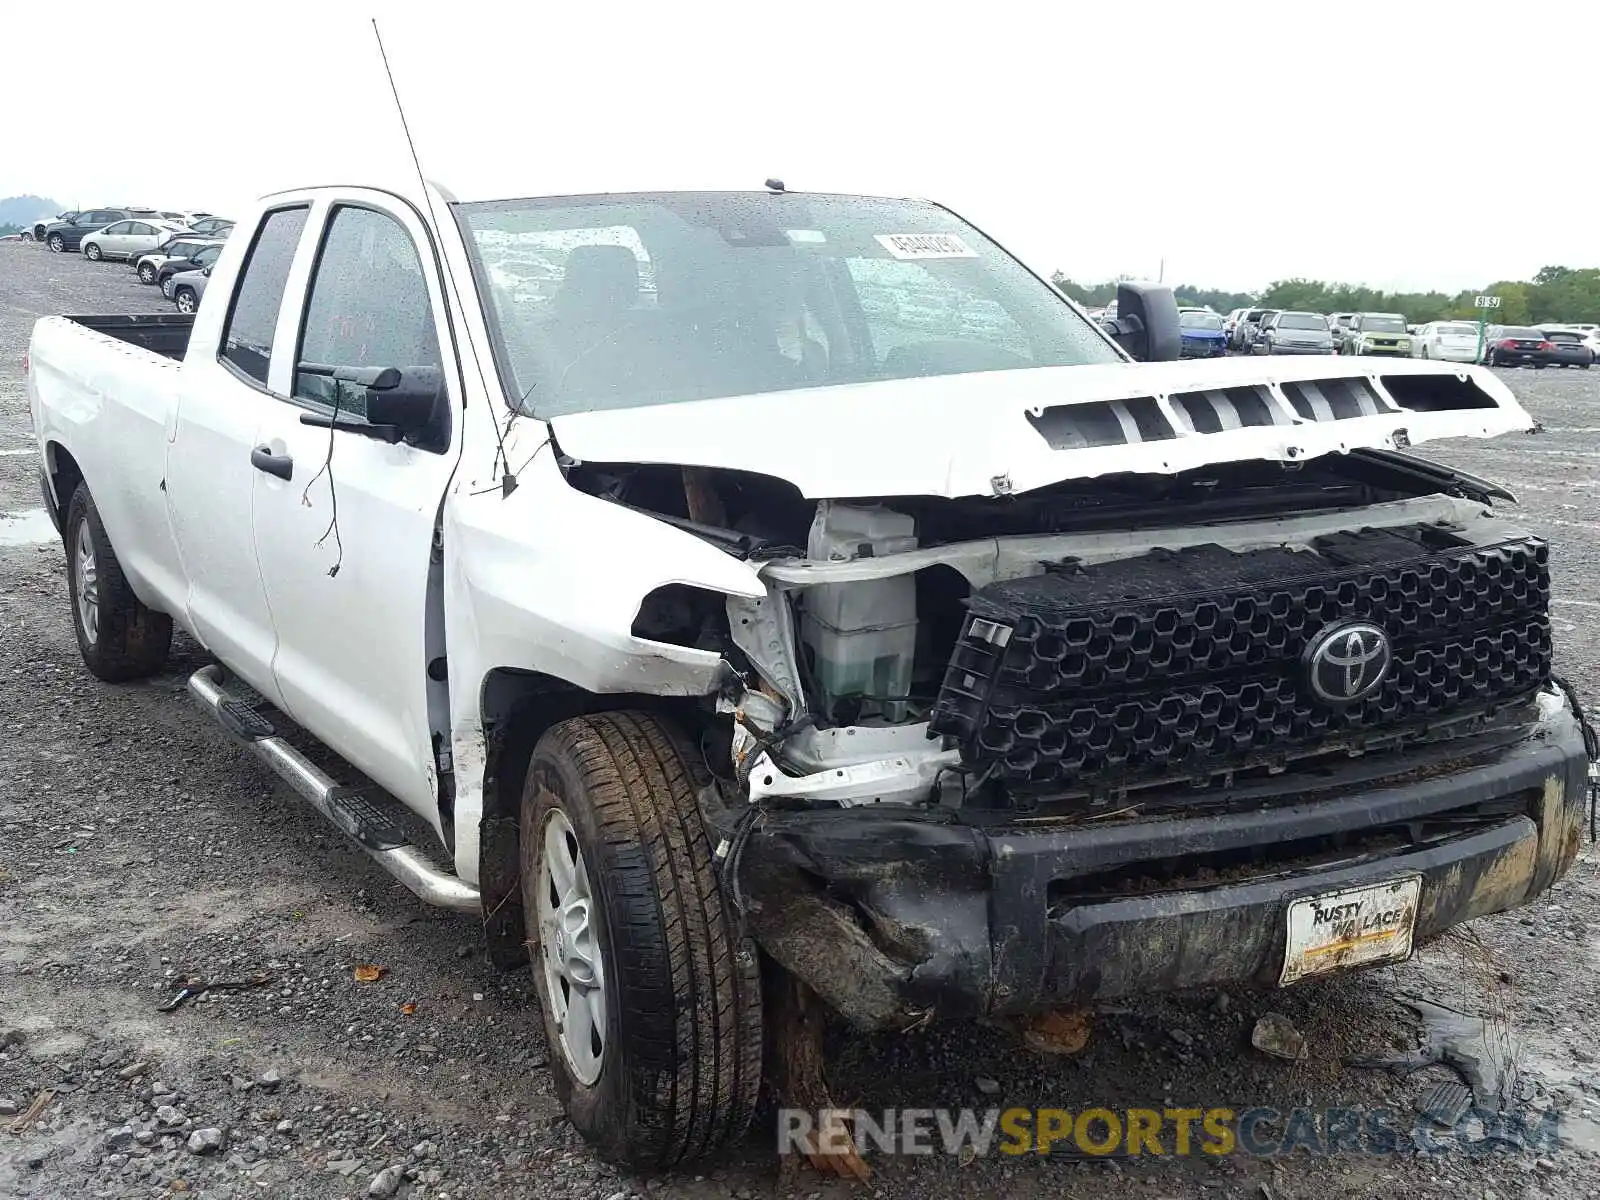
x=1202, y=334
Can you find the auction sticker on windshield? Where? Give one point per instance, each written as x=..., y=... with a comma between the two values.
x=1352, y=928
x=925, y=245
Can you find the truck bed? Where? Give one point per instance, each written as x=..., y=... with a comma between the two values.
x=166, y=334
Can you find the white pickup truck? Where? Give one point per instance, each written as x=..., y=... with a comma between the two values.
x=725, y=628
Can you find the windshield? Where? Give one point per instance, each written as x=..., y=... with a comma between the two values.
x=1302, y=321
x=1382, y=324
x=1561, y=335
x=616, y=301
x=1200, y=320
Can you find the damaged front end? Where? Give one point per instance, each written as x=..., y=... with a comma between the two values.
x=987, y=754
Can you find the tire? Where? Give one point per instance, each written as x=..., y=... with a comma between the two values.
x=27, y=235
x=166, y=287
x=57, y=244
x=92, y=252
x=147, y=273
x=184, y=299
x=120, y=639
x=678, y=1071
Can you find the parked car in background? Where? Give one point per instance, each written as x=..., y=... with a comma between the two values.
x=1231, y=322
x=1252, y=330
x=1376, y=333
x=1591, y=339
x=127, y=239
x=65, y=236
x=173, y=267
x=1448, y=341
x=1339, y=326
x=180, y=247
x=1201, y=334
x=1294, y=333
x=1567, y=349
x=188, y=287
x=1516, y=346
x=1238, y=340
x=212, y=226
x=38, y=228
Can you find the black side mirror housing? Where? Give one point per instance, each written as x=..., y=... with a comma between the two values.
x=1146, y=324
x=414, y=403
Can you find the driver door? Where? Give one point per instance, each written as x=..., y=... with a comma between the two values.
x=344, y=522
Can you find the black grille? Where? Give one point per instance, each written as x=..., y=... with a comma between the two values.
x=1189, y=662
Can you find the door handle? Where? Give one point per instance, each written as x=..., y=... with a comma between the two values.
x=263, y=459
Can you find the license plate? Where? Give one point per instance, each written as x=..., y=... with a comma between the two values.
x=1352, y=928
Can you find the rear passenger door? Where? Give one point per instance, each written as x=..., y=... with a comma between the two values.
x=225, y=395
x=345, y=539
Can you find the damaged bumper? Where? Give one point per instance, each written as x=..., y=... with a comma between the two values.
x=894, y=916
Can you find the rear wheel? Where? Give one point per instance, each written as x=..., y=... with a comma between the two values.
x=57, y=244
x=119, y=638
x=166, y=287
x=651, y=999
x=92, y=251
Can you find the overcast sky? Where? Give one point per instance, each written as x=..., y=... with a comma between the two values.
x=1240, y=142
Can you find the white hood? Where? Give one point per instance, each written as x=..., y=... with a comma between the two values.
x=992, y=432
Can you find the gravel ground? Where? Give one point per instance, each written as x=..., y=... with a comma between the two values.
x=138, y=846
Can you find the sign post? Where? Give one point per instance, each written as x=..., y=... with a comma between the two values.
x=1483, y=304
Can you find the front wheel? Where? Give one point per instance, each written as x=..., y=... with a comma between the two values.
x=651, y=999
x=57, y=244
x=119, y=638
x=147, y=273
x=92, y=252
x=184, y=299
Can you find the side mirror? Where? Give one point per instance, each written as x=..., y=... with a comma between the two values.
x=206, y=271
x=1146, y=325
x=407, y=404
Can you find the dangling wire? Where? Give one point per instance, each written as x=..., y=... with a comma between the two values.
x=333, y=492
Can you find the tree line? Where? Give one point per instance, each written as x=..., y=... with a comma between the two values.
x=1555, y=294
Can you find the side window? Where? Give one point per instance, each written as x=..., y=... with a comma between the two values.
x=368, y=306
x=247, y=337
x=139, y=228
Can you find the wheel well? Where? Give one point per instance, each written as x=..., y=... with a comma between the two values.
x=65, y=476
x=517, y=707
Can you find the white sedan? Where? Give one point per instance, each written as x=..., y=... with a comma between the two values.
x=1451, y=341
x=127, y=239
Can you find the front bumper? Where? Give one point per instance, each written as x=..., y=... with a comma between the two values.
x=892, y=915
x=1368, y=350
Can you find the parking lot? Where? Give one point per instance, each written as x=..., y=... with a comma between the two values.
x=138, y=847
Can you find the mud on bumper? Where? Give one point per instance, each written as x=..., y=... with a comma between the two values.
x=892, y=916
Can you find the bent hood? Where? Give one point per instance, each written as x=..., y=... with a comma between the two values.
x=997, y=432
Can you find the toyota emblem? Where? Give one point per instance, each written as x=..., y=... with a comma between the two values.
x=1346, y=663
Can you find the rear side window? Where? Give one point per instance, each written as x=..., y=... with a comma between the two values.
x=247, y=337
x=368, y=305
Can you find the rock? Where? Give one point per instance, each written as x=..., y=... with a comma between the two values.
x=144, y=1137
x=169, y=1116
x=269, y=1080
x=119, y=1137
x=1181, y=1037
x=8, y=1107
x=1220, y=1003
x=115, y=1161
x=284, y=1127
x=109, y=1059
x=386, y=1182
x=12, y=1037
x=259, y=1144
x=987, y=1086
x=1276, y=1035
x=241, y=1084
x=133, y=1070
x=344, y=1166
x=205, y=1141
x=464, y=951
x=618, y=1196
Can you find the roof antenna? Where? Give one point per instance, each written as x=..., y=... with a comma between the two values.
x=508, y=481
